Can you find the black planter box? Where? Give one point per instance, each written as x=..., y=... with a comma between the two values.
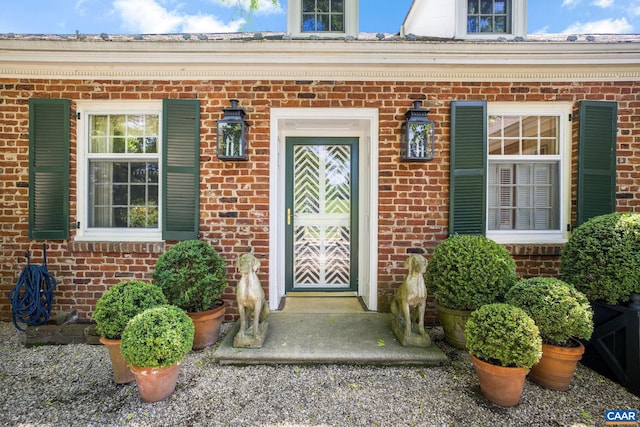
x=614, y=348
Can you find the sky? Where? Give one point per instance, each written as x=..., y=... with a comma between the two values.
x=215, y=16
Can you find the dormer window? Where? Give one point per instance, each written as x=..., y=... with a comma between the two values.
x=488, y=16
x=467, y=19
x=322, y=18
x=490, y=19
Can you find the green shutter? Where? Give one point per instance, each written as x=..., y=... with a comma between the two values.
x=468, y=168
x=181, y=169
x=49, y=168
x=597, y=159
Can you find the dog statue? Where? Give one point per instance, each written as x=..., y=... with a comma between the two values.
x=252, y=304
x=409, y=303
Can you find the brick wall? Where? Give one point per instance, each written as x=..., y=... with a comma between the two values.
x=413, y=197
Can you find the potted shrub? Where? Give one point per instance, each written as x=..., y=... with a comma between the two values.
x=114, y=309
x=465, y=273
x=153, y=344
x=192, y=275
x=504, y=343
x=602, y=260
x=563, y=315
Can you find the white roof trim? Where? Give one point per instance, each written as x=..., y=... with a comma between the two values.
x=324, y=60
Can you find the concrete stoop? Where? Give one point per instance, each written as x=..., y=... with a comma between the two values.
x=321, y=338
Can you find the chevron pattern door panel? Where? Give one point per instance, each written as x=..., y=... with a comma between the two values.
x=322, y=216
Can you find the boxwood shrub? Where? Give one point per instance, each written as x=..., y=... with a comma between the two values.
x=560, y=311
x=467, y=272
x=121, y=303
x=503, y=335
x=191, y=274
x=602, y=257
x=157, y=337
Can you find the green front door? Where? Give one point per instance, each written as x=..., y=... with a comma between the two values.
x=321, y=214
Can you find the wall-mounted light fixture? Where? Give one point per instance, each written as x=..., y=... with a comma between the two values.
x=232, y=134
x=418, y=136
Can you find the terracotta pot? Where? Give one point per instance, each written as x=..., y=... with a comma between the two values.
x=121, y=373
x=453, y=323
x=502, y=386
x=156, y=384
x=207, y=326
x=556, y=367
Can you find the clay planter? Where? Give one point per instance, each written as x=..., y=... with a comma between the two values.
x=557, y=366
x=156, y=384
x=207, y=326
x=502, y=386
x=121, y=373
x=453, y=323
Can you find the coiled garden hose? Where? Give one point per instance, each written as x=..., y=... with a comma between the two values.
x=32, y=296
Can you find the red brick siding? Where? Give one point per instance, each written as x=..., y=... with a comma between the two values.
x=413, y=197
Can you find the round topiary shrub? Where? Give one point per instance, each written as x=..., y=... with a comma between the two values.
x=503, y=335
x=560, y=311
x=121, y=303
x=467, y=272
x=602, y=257
x=191, y=274
x=157, y=337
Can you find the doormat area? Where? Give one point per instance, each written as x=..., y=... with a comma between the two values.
x=319, y=305
x=353, y=338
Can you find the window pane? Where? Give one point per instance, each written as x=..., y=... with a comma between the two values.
x=308, y=23
x=323, y=23
x=472, y=8
x=123, y=194
x=337, y=23
x=486, y=7
x=308, y=6
x=322, y=6
x=486, y=24
x=511, y=147
x=523, y=196
x=472, y=24
x=530, y=147
x=523, y=135
x=323, y=15
x=151, y=132
x=488, y=16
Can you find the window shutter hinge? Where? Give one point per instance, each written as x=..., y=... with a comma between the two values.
x=570, y=227
x=74, y=224
x=78, y=116
x=570, y=117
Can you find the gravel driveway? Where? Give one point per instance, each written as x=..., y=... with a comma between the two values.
x=72, y=386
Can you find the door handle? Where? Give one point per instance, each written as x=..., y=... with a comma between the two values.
x=289, y=216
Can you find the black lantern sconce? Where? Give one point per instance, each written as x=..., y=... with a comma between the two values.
x=232, y=134
x=418, y=136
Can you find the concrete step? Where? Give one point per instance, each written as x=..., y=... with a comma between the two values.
x=329, y=338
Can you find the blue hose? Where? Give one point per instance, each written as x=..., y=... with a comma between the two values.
x=32, y=296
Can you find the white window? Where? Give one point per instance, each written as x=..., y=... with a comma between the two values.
x=119, y=179
x=528, y=176
x=323, y=18
x=491, y=18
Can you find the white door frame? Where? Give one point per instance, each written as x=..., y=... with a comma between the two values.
x=326, y=122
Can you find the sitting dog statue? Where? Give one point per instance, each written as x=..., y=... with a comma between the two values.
x=410, y=301
x=252, y=304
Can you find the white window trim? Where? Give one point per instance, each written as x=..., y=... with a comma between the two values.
x=294, y=21
x=518, y=22
x=84, y=109
x=563, y=111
